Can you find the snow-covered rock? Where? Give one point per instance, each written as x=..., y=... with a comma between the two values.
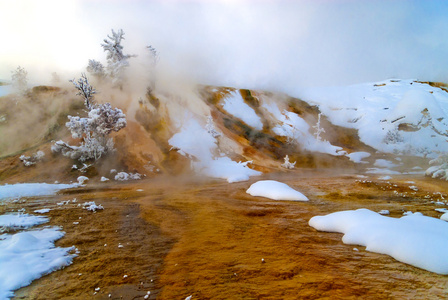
x=123, y=176
x=92, y=206
x=82, y=179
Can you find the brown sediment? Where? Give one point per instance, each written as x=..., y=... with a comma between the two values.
x=186, y=236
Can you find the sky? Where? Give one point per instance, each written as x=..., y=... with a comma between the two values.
x=277, y=45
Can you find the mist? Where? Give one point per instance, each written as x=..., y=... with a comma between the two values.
x=272, y=45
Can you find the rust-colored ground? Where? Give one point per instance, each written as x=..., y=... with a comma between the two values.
x=188, y=236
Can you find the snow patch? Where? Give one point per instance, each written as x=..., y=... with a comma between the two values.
x=383, y=163
x=28, y=255
x=123, y=176
x=414, y=239
x=225, y=168
x=42, y=211
x=297, y=130
x=91, y=206
x=357, y=157
x=235, y=105
x=31, y=189
x=444, y=217
x=275, y=190
x=194, y=142
x=19, y=220
x=82, y=179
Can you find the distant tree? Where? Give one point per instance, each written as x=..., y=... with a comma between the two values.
x=96, y=69
x=117, y=62
x=85, y=90
x=55, y=79
x=319, y=129
x=154, y=59
x=154, y=55
x=20, y=80
x=94, y=130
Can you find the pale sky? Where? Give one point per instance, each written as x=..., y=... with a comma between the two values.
x=254, y=44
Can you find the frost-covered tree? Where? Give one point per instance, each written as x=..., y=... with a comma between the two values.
x=85, y=90
x=154, y=55
x=319, y=129
x=117, y=62
x=94, y=130
x=393, y=137
x=440, y=167
x=19, y=80
x=154, y=59
x=287, y=164
x=96, y=69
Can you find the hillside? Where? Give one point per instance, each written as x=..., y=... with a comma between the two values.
x=215, y=131
x=193, y=224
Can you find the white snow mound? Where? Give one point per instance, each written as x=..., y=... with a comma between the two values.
x=275, y=190
x=414, y=239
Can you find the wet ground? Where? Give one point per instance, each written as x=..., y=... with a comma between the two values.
x=183, y=236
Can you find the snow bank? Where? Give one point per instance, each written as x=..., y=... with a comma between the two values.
x=225, y=168
x=275, y=190
x=31, y=189
x=236, y=106
x=383, y=163
x=21, y=220
x=414, y=239
x=28, y=255
x=195, y=142
x=444, y=217
x=376, y=110
x=357, y=157
x=297, y=130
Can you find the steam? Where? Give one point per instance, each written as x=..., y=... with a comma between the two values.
x=275, y=45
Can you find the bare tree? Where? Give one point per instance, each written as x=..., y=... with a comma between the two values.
x=20, y=80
